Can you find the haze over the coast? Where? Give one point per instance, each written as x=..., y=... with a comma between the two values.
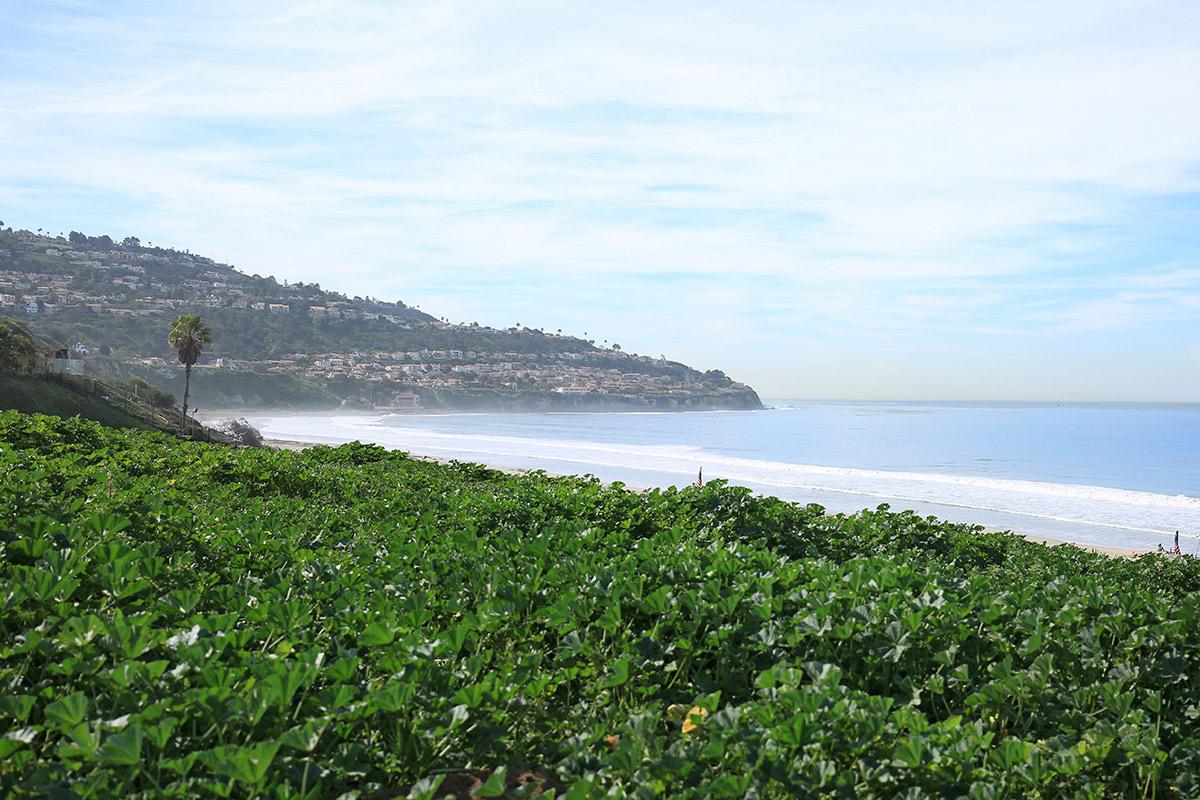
x=939, y=200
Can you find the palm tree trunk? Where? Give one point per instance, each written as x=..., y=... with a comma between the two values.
x=187, y=387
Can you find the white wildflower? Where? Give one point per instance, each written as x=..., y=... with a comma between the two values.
x=185, y=638
x=21, y=735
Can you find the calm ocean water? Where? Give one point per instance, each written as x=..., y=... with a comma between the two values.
x=1119, y=475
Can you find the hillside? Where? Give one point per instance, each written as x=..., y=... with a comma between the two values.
x=116, y=299
x=29, y=384
x=131, y=404
x=53, y=394
x=189, y=620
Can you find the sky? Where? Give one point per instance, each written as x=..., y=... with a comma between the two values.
x=876, y=200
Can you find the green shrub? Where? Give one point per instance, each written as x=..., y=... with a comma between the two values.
x=188, y=620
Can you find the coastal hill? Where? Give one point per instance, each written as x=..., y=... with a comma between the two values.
x=279, y=344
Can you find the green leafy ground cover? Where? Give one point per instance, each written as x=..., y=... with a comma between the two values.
x=190, y=620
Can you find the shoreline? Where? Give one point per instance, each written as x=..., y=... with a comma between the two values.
x=297, y=445
x=222, y=415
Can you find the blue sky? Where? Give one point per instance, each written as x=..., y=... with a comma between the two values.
x=826, y=199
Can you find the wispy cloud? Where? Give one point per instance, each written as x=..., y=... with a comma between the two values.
x=918, y=179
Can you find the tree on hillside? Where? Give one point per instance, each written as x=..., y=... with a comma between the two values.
x=19, y=354
x=716, y=377
x=188, y=336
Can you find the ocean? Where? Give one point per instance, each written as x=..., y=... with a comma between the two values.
x=1113, y=475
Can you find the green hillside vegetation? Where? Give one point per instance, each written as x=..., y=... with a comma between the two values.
x=173, y=267
x=533, y=400
x=213, y=389
x=64, y=397
x=20, y=353
x=28, y=385
x=257, y=335
x=121, y=404
x=246, y=333
x=112, y=300
x=188, y=620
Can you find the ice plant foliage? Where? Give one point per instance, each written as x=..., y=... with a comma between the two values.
x=188, y=620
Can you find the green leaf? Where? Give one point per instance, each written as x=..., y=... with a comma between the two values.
x=494, y=785
x=15, y=740
x=160, y=733
x=909, y=753
x=1010, y=753
x=470, y=696
x=610, y=620
x=620, y=674
x=82, y=743
x=181, y=766
x=305, y=737
x=17, y=706
x=123, y=748
x=730, y=785
x=375, y=635
x=426, y=788
x=244, y=764
x=68, y=712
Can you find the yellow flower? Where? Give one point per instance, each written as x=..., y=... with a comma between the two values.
x=695, y=718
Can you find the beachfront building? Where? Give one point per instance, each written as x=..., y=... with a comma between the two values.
x=406, y=401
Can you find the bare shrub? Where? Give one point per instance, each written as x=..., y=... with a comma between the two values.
x=242, y=432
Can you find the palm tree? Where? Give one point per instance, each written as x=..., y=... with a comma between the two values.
x=188, y=335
